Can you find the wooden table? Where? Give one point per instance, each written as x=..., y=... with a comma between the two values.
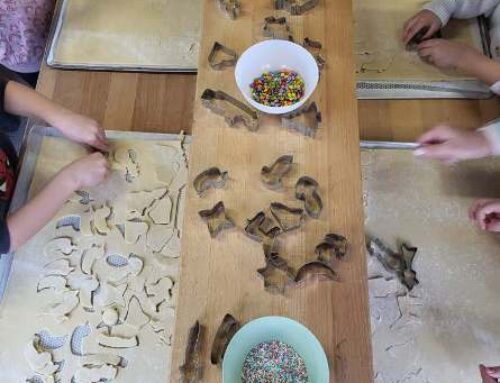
x=164, y=103
x=219, y=276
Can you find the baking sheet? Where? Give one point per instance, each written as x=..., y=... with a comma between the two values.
x=386, y=69
x=450, y=322
x=20, y=321
x=30, y=151
x=128, y=35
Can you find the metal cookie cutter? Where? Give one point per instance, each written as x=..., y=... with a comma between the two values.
x=295, y=7
x=277, y=28
x=314, y=47
x=233, y=111
x=305, y=121
x=219, y=63
x=231, y=8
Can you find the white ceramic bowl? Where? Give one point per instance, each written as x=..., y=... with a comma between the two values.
x=276, y=55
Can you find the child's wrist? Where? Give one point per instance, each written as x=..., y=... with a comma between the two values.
x=68, y=180
x=469, y=61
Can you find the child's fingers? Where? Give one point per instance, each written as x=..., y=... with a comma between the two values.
x=442, y=152
x=486, y=378
x=431, y=31
x=494, y=372
x=439, y=134
x=412, y=30
x=487, y=215
x=476, y=205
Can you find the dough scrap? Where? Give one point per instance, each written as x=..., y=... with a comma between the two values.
x=117, y=342
x=161, y=211
x=94, y=375
x=109, y=294
x=160, y=291
x=100, y=220
x=39, y=361
x=59, y=247
x=62, y=308
x=52, y=282
x=86, y=285
x=89, y=257
x=158, y=236
x=59, y=267
x=97, y=360
x=134, y=230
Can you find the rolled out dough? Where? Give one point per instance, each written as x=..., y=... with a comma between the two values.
x=380, y=53
x=64, y=278
x=135, y=33
x=450, y=323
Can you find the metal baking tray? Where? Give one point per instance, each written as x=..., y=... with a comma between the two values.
x=402, y=89
x=55, y=32
x=449, y=323
x=29, y=157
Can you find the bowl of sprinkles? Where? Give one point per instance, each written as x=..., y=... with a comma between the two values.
x=274, y=350
x=276, y=76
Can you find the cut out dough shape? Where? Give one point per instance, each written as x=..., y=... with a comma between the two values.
x=117, y=342
x=41, y=379
x=95, y=375
x=165, y=326
x=134, y=230
x=52, y=282
x=135, y=315
x=161, y=211
x=59, y=247
x=138, y=202
x=86, y=285
x=89, y=257
x=64, y=306
x=97, y=360
x=109, y=294
x=100, y=220
x=160, y=291
x=158, y=236
x=110, y=316
x=59, y=267
x=173, y=248
x=39, y=361
x=85, y=222
x=118, y=274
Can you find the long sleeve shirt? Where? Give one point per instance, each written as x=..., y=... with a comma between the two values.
x=466, y=9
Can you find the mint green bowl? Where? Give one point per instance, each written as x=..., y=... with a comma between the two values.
x=275, y=328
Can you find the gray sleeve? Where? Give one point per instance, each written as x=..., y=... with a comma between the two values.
x=461, y=9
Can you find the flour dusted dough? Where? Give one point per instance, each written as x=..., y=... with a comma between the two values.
x=380, y=53
x=138, y=33
x=65, y=278
x=451, y=321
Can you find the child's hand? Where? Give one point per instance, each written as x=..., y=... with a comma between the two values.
x=485, y=214
x=82, y=129
x=447, y=54
x=450, y=145
x=86, y=172
x=423, y=20
x=489, y=374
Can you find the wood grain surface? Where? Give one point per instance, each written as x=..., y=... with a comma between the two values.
x=220, y=275
x=146, y=102
x=164, y=103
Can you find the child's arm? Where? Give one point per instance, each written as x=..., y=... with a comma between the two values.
x=23, y=101
x=29, y=219
x=437, y=13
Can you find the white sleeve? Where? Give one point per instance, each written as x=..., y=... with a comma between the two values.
x=492, y=133
x=461, y=9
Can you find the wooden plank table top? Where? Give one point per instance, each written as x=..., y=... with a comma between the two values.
x=148, y=102
x=219, y=276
